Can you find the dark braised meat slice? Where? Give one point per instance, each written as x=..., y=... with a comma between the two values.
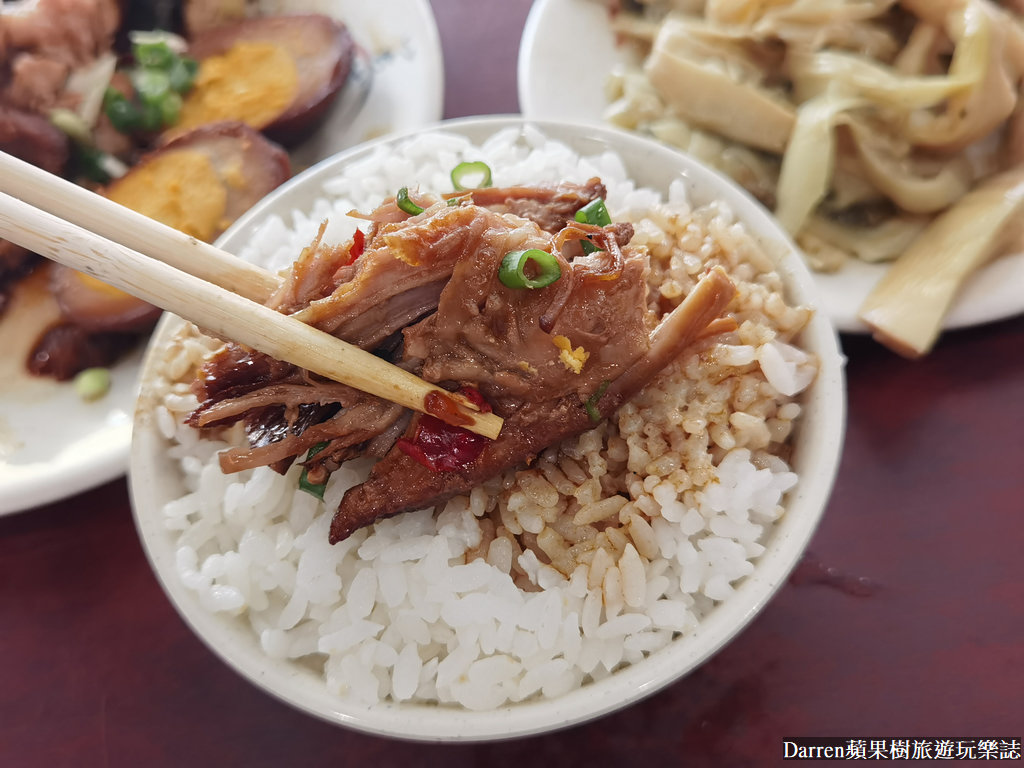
x=233, y=372
x=285, y=410
x=318, y=46
x=243, y=167
x=65, y=349
x=33, y=139
x=401, y=483
x=550, y=206
x=97, y=308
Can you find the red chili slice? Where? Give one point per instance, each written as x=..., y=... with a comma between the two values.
x=441, y=447
x=473, y=395
x=358, y=245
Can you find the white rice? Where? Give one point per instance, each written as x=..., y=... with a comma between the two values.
x=606, y=549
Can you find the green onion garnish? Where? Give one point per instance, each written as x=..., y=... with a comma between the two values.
x=182, y=74
x=170, y=108
x=92, y=383
x=407, y=205
x=123, y=114
x=160, y=77
x=466, y=171
x=151, y=84
x=595, y=212
x=157, y=55
x=72, y=124
x=513, y=269
x=92, y=163
x=591, y=404
x=316, y=489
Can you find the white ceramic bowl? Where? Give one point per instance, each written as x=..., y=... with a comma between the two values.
x=155, y=479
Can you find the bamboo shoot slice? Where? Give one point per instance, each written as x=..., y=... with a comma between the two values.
x=713, y=100
x=906, y=308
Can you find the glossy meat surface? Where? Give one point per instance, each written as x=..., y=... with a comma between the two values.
x=425, y=290
x=399, y=483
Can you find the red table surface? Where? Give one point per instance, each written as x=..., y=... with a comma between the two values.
x=906, y=618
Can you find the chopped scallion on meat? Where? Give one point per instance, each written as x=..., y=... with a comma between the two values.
x=595, y=212
x=407, y=205
x=316, y=489
x=592, y=401
x=532, y=268
x=468, y=171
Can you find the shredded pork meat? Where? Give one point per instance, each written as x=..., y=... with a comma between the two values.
x=424, y=290
x=399, y=483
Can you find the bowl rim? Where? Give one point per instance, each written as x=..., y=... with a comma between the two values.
x=301, y=688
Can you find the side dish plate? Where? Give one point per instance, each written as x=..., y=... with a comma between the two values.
x=52, y=444
x=553, y=86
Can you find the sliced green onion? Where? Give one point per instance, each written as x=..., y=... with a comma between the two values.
x=170, y=108
x=152, y=116
x=182, y=74
x=592, y=401
x=407, y=205
x=316, y=489
x=513, y=269
x=152, y=85
x=156, y=55
x=464, y=171
x=90, y=163
x=92, y=383
x=123, y=114
x=160, y=76
x=595, y=212
x=72, y=124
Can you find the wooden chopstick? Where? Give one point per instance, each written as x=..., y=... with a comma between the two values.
x=221, y=311
x=115, y=222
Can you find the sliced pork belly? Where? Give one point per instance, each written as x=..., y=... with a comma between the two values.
x=550, y=206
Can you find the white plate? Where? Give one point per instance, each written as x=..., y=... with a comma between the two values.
x=570, y=85
x=52, y=444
